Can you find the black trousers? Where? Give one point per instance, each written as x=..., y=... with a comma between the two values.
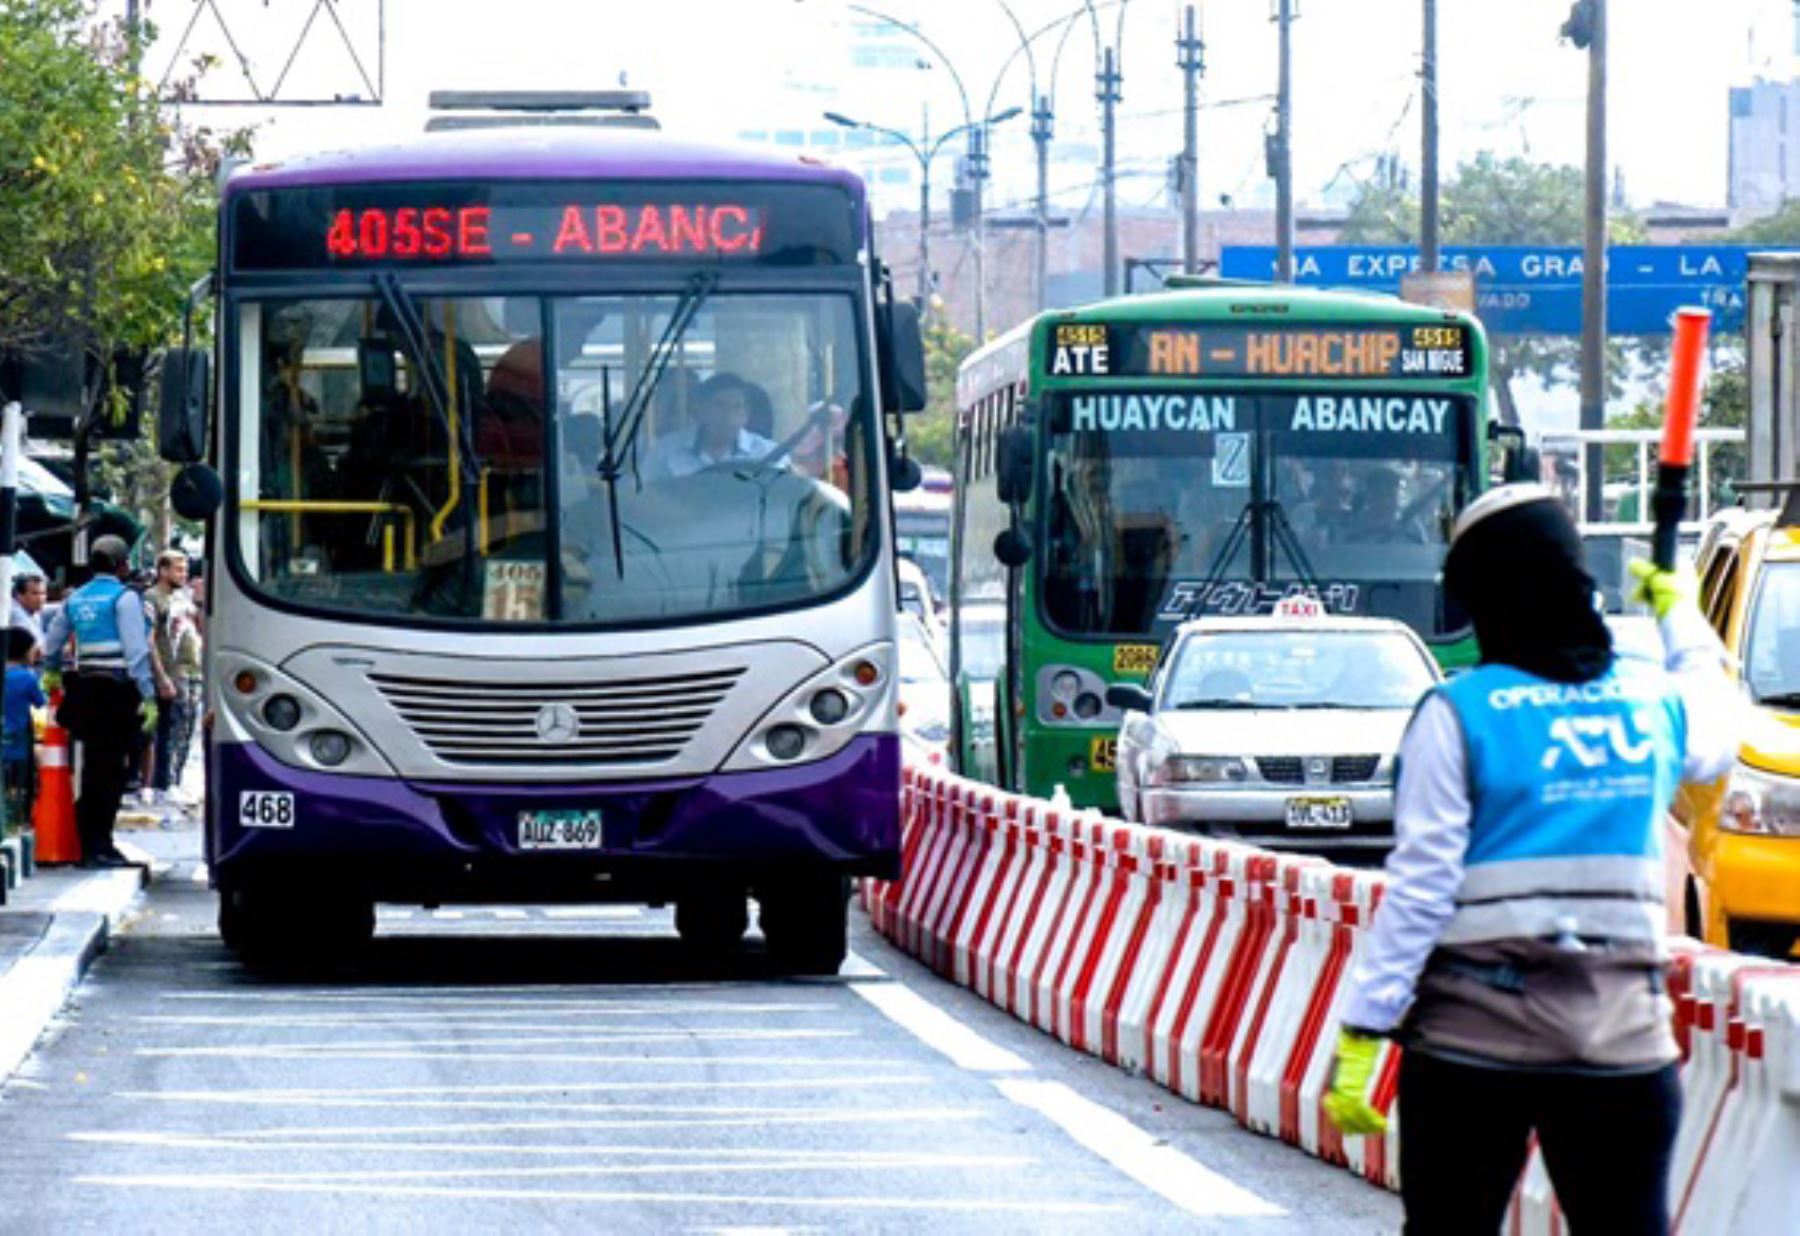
x=109, y=743
x=1464, y=1135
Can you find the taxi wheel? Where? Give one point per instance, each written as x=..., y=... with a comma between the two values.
x=807, y=923
x=714, y=922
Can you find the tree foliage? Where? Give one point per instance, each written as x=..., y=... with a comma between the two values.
x=932, y=433
x=1495, y=201
x=106, y=200
x=1780, y=228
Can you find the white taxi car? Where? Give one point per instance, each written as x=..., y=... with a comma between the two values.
x=1278, y=730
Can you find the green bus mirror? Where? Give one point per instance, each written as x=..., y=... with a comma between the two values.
x=1013, y=548
x=1013, y=476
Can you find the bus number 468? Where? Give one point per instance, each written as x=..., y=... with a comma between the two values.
x=265, y=809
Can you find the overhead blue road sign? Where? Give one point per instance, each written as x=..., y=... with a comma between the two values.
x=1536, y=290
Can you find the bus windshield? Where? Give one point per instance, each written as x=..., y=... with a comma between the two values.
x=597, y=459
x=1164, y=505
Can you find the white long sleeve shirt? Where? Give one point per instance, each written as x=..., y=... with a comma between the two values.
x=1432, y=813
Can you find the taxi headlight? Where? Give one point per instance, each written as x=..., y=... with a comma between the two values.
x=1204, y=768
x=1757, y=802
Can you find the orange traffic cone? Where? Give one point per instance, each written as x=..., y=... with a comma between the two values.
x=53, y=815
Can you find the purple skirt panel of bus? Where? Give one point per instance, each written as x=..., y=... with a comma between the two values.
x=843, y=811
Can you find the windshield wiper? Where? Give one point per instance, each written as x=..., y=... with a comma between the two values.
x=1222, y=705
x=1280, y=531
x=1781, y=699
x=612, y=459
x=414, y=336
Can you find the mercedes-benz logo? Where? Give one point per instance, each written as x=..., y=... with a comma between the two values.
x=557, y=723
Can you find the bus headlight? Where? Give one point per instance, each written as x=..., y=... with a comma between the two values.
x=830, y=706
x=786, y=742
x=1756, y=802
x=330, y=747
x=282, y=712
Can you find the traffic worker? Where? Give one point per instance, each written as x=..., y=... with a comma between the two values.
x=1517, y=953
x=109, y=700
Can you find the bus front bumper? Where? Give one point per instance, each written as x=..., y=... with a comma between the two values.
x=418, y=840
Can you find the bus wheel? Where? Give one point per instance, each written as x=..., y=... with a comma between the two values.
x=714, y=922
x=286, y=929
x=807, y=924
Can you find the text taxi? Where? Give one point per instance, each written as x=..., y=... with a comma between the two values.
x=1281, y=729
x=1744, y=830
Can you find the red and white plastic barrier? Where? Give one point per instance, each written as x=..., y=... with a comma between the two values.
x=1217, y=969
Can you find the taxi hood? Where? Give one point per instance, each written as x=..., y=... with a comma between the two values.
x=1294, y=731
x=1772, y=741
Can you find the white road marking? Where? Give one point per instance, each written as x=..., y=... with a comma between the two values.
x=655, y=1119
x=1157, y=1166
x=268, y=1184
x=510, y=915
x=480, y=997
x=337, y=1048
x=856, y=966
x=580, y=912
x=447, y=916
x=384, y=913
x=498, y=1017
x=382, y=1096
x=200, y=873
x=795, y=1158
x=935, y=1028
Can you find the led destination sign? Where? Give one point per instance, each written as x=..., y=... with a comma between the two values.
x=1234, y=350
x=493, y=223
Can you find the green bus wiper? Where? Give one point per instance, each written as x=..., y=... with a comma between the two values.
x=612, y=458
x=1280, y=530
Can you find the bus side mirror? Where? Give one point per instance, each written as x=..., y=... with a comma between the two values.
x=904, y=472
x=1518, y=462
x=1128, y=697
x=903, y=386
x=1013, y=548
x=1013, y=476
x=196, y=492
x=181, y=416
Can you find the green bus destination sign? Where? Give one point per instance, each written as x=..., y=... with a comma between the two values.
x=1237, y=350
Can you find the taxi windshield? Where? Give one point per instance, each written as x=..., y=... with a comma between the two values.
x=1285, y=668
x=1772, y=651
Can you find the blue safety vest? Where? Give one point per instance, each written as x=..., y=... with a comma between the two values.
x=1568, y=784
x=94, y=617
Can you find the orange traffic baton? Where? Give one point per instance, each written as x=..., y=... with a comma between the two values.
x=53, y=815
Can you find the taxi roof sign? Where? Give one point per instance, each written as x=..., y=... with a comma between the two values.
x=1299, y=605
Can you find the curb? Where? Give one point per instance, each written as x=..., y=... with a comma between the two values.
x=37, y=986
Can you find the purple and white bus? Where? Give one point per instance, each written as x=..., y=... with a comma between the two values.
x=552, y=536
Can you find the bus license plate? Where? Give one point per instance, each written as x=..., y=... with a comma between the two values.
x=559, y=830
x=1331, y=812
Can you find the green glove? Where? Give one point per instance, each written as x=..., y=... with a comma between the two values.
x=147, y=713
x=1662, y=590
x=52, y=681
x=1348, y=1102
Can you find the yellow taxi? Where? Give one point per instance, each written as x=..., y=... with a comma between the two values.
x=1743, y=831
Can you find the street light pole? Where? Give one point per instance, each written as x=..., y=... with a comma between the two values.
x=1189, y=58
x=1108, y=93
x=1284, y=154
x=1586, y=27
x=1042, y=119
x=1428, y=157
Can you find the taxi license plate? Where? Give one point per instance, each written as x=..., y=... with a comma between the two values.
x=559, y=830
x=1327, y=812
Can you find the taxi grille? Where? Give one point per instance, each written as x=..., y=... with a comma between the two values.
x=619, y=722
x=1291, y=769
x=1354, y=767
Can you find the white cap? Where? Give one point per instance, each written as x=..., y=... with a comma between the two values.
x=1500, y=498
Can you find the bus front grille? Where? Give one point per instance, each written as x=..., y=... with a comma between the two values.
x=538, y=724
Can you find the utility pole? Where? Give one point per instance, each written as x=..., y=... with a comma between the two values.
x=924, y=237
x=1189, y=52
x=1284, y=147
x=1108, y=94
x=1042, y=128
x=1593, y=257
x=978, y=234
x=1428, y=158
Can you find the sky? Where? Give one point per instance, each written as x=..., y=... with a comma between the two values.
x=715, y=67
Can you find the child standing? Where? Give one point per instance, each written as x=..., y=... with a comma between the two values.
x=22, y=693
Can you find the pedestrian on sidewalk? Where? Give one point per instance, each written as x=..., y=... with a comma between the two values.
x=22, y=693
x=164, y=599
x=28, y=595
x=187, y=671
x=109, y=700
x=1517, y=955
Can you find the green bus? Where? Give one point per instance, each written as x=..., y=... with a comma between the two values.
x=1208, y=449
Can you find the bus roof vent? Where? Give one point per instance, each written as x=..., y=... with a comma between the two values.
x=486, y=109
x=1181, y=280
